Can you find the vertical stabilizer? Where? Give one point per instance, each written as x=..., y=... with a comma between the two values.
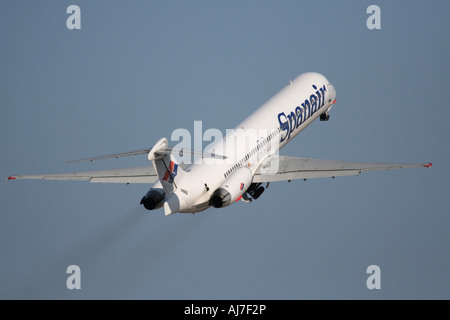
x=166, y=166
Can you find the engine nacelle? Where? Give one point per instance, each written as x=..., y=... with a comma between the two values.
x=233, y=187
x=154, y=199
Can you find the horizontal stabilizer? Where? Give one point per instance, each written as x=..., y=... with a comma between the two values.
x=115, y=155
x=165, y=151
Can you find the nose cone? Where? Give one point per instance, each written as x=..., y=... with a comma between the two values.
x=333, y=92
x=174, y=204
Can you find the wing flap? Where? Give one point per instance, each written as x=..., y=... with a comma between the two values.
x=145, y=174
x=143, y=179
x=279, y=168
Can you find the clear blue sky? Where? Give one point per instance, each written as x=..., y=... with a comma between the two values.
x=138, y=70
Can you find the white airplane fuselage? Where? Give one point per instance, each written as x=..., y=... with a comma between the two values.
x=271, y=126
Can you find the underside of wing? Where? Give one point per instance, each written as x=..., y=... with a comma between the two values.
x=145, y=174
x=279, y=168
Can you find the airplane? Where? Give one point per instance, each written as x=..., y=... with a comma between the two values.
x=235, y=167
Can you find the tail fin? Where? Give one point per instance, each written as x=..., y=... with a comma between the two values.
x=166, y=166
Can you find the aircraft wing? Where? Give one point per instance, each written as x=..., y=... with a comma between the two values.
x=145, y=174
x=279, y=168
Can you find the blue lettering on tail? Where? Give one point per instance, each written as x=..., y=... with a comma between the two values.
x=294, y=119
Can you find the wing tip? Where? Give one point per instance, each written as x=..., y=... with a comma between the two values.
x=429, y=164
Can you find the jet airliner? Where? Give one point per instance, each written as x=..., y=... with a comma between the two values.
x=240, y=163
